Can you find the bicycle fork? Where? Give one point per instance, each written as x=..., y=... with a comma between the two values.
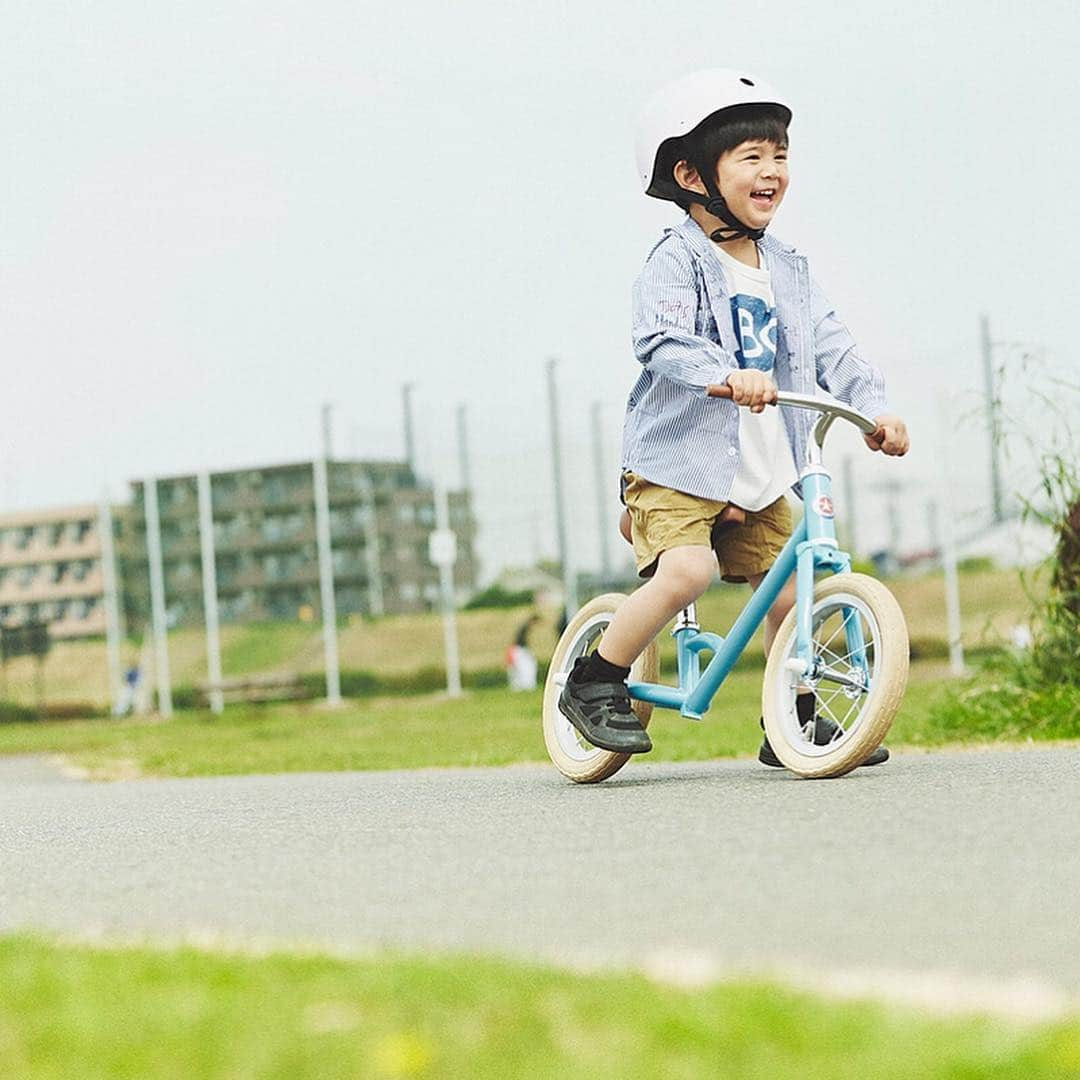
x=819, y=551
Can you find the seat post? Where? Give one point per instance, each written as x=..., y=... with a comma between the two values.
x=686, y=619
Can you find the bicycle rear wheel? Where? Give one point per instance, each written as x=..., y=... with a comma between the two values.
x=860, y=670
x=573, y=755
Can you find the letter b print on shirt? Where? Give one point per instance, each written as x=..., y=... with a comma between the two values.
x=756, y=321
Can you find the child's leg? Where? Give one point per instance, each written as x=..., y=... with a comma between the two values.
x=780, y=607
x=595, y=699
x=682, y=575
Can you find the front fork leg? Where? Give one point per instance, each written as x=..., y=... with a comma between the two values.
x=804, y=613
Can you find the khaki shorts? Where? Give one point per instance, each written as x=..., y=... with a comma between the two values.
x=661, y=518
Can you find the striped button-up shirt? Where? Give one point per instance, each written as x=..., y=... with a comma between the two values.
x=677, y=436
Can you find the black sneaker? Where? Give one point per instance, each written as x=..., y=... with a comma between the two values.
x=824, y=732
x=601, y=712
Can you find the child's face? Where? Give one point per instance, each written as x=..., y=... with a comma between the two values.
x=753, y=179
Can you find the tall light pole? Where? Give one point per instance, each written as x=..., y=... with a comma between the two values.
x=326, y=581
x=569, y=585
x=327, y=431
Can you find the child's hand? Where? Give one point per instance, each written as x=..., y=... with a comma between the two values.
x=891, y=436
x=752, y=388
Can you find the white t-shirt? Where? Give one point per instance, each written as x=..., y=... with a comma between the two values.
x=766, y=466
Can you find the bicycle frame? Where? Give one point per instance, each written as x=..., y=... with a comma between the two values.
x=811, y=547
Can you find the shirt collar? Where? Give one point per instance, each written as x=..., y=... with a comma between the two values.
x=692, y=232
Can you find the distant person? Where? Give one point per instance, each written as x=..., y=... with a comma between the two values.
x=520, y=661
x=129, y=690
x=717, y=302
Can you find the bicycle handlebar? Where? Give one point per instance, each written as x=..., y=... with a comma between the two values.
x=830, y=411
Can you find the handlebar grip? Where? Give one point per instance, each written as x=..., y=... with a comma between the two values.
x=721, y=390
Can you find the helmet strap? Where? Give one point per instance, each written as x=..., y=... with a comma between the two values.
x=716, y=205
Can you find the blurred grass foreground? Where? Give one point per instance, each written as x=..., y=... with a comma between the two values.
x=99, y=1012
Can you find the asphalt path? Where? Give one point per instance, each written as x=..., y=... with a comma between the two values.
x=963, y=865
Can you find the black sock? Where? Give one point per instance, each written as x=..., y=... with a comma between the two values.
x=804, y=706
x=597, y=669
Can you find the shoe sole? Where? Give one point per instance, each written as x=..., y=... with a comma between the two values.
x=583, y=728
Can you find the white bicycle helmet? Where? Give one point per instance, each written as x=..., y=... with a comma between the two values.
x=679, y=108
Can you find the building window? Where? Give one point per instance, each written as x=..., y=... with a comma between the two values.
x=77, y=531
x=27, y=575
x=23, y=537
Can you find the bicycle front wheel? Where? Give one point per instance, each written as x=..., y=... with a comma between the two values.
x=858, y=677
x=571, y=753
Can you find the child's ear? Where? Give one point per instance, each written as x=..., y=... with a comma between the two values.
x=686, y=176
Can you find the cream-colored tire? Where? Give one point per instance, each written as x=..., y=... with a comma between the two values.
x=862, y=701
x=573, y=756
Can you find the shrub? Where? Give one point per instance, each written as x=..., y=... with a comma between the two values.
x=495, y=596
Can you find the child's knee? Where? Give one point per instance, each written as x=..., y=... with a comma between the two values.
x=686, y=572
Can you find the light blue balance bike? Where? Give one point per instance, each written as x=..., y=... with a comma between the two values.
x=845, y=642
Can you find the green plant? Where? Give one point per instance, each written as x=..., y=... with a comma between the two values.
x=495, y=596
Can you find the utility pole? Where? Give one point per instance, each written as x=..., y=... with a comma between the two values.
x=992, y=419
x=157, y=598
x=327, y=431
x=326, y=581
x=410, y=443
x=210, y=599
x=569, y=585
x=601, y=490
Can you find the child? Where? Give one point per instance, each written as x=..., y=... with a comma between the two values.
x=716, y=302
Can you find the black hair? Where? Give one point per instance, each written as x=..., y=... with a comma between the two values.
x=723, y=131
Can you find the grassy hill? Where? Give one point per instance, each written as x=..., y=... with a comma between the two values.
x=992, y=601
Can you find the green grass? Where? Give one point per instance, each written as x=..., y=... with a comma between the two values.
x=75, y=671
x=484, y=727
x=95, y=1013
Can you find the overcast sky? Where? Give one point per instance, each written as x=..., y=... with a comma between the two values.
x=215, y=217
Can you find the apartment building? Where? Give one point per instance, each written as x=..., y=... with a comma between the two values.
x=51, y=570
x=265, y=543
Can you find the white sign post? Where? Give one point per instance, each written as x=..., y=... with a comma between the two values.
x=442, y=551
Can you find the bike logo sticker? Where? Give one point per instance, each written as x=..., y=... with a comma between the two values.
x=824, y=506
